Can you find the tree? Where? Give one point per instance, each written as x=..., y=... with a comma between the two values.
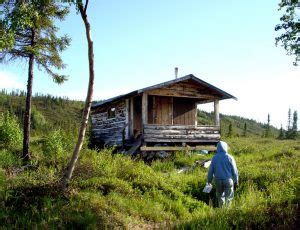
x=290, y=27
x=230, y=130
x=294, y=126
x=245, y=130
x=267, y=131
x=289, y=124
x=28, y=32
x=281, y=133
x=82, y=8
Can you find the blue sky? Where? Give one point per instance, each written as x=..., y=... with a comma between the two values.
x=138, y=43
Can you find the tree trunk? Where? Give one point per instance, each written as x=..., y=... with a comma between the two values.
x=27, y=115
x=87, y=107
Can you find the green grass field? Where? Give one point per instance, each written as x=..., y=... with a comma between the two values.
x=114, y=190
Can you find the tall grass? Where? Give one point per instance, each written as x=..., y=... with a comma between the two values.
x=115, y=190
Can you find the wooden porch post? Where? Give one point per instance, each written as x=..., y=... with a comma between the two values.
x=131, y=117
x=196, y=114
x=144, y=110
x=217, y=115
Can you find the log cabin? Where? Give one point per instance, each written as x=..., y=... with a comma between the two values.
x=163, y=115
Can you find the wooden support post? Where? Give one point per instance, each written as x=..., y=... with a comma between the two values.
x=131, y=117
x=127, y=120
x=144, y=110
x=217, y=115
x=196, y=114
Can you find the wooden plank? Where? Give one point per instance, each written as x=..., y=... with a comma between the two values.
x=180, y=140
x=182, y=132
x=177, y=148
x=135, y=146
x=180, y=93
x=187, y=136
x=181, y=127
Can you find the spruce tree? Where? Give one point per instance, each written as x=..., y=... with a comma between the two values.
x=289, y=125
x=230, y=130
x=245, y=130
x=28, y=33
x=294, y=126
x=267, y=131
x=281, y=133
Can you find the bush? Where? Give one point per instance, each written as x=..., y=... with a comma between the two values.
x=37, y=119
x=53, y=146
x=10, y=132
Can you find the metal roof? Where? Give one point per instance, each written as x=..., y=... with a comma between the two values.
x=224, y=95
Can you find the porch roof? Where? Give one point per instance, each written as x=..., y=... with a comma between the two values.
x=222, y=94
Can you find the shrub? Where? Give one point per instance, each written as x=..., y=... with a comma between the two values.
x=37, y=119
x=53, y=146
x=10, y=132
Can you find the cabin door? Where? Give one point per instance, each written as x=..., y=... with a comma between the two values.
x=162, y=110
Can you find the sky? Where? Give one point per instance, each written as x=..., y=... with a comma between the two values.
x=137, y=43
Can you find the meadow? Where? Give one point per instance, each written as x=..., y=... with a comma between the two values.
x=110, y=189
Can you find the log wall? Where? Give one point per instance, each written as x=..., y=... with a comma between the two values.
x=109, y=131
x=181, y=133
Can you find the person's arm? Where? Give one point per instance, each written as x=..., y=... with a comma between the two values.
x=234, y=172
x=210, y=172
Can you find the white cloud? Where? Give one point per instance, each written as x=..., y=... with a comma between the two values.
x=10, y=81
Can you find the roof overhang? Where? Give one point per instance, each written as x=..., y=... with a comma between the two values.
x=221, y=94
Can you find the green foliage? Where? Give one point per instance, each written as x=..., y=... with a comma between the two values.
x=10, y=132
x=290, y=29
x=38, y=121
x=9, y=159
x=113, y=190
x=31, y=30
x=53, y=146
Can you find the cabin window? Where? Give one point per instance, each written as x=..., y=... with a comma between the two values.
x=111, y=113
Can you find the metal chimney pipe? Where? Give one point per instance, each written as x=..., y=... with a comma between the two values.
x=176, y=72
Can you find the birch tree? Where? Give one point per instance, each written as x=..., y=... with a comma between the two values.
x=82, y=8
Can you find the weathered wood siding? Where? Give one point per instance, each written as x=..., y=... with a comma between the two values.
x=109, y=131
x=185, y=89
x=160, y=110
x=184, y=110
x=181, y=133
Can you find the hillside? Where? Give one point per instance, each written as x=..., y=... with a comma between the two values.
x=254, y=128
x=55, y=112
x=48, y=112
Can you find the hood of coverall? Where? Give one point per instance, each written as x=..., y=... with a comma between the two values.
x=222, y=147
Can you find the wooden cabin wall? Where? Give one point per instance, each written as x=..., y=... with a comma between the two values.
x=184, y=110
x=109, y=131
x=160, y=110
x=171, y=110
